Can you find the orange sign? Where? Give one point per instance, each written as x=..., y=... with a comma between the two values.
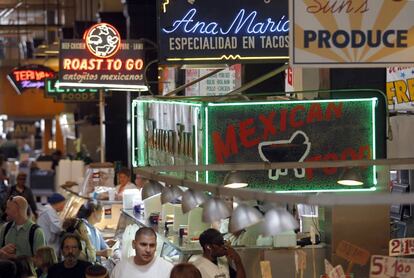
x=352, y=253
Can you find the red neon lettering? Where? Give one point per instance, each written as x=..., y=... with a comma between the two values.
x=293, y=114
x=330, y=170
x=269, y=128
x=315, y=113
x=31, y=75
x=225, y=149
x=283, y=119
x=335, y=108
x=246, y=131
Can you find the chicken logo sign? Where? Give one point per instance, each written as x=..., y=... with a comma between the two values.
x=102, y=40
x=295, y=149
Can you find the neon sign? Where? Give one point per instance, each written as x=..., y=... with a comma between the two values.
x=243, y=30
x=261, y=131
x=102, y=40
x=29, y=77
x=239, y=24
x=69, y=94
x=123, y=70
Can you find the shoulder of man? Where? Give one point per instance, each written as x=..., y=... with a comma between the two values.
x=161, y=262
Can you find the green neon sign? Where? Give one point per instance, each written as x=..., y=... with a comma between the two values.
x=275, y=131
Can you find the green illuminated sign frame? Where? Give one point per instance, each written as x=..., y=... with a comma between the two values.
x=331, y=129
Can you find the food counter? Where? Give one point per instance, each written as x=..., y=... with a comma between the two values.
x=178, y=249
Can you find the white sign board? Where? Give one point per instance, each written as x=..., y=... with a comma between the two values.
x=401, y=246
x=365, y=33
x=400, y=88
x=387, y=267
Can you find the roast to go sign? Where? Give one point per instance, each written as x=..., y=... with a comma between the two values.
x=389, y=267
x=351, y=33
x=82, y=69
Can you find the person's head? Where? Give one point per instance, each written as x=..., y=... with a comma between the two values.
x=7, y=268
x=92, y=211
x=124, y=176
x=185, y=270
x=9, y=136
x=16, y=208
x=140, y=181
x=212, y=242
x=71, y=248
x=21, y=179
x=76, y=226
x=96, y=271
x=145, y=245
x=44, y=257
x=57, y=201
x=23, y=269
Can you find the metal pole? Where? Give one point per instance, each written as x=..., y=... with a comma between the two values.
x=102, y=122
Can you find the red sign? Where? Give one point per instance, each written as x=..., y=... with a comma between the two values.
x=29, y=77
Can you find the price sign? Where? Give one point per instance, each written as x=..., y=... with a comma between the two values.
x=389, y=267
x=401, y=246
x=352, y=253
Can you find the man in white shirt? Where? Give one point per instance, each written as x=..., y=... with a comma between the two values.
x=144, y=264
x=50, y=221
x=212, y=263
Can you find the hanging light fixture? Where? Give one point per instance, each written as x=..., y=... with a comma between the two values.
x=215, y=209
x=278, y=220
x=351, y=176
x=150, y=189
x=234, y=179
x=192, y=199
x=170, y=194
x=243, y=217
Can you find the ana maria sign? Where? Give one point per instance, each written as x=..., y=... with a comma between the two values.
x=241, y=30
x=370, y=33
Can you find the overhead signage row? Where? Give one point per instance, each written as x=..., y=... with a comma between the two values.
x=219, y=31
x=351, y=33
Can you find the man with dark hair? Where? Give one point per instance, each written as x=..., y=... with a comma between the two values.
x=144, y=264
x=212, y=264
x=9, y=147
x=71, y=267
x=20, y=189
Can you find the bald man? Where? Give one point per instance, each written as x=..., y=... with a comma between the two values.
x=19, y=236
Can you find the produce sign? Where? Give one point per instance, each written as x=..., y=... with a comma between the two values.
x=60, y=94
x=389, y=267
x=220, y=30
x=401, y=246
x=29, y=77
x=198, y=132
x=370, y=33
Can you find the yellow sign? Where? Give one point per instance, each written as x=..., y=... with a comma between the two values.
x=359, y=33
